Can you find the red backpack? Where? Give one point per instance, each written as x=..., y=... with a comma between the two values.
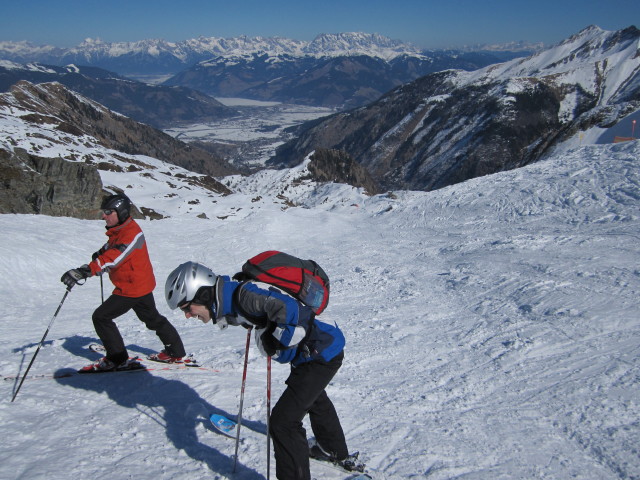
x=304, y=279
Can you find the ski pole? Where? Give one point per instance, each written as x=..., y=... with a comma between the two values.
x=101, y=289
x=244, y=380
x=268, y=416
x=41, y=342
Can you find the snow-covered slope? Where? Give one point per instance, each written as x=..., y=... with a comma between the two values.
x=604, y=64
x=492, y=330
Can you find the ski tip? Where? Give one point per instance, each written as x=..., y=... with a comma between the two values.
x=190, y=361
x=223, y=424
x=221, y=420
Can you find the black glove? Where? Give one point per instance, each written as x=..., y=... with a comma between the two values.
x=75, y=275
x=240, y=277
x=270, y=344
x=99, y=252
x=267, y=343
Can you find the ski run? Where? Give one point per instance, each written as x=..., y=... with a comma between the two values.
x=492, y=330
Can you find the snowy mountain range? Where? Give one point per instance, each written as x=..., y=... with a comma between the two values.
x=454, y=125
x=189, y=52
x=334, y=70
x=341, y=81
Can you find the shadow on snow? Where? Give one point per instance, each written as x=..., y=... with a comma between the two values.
x=170, y=403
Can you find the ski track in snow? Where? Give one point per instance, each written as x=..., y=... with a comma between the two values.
x=492, y=333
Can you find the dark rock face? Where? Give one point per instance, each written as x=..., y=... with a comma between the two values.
x=336, y=166
x=48, y=186
x=407, y=142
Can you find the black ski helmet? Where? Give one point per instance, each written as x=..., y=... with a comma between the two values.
x=120, y=203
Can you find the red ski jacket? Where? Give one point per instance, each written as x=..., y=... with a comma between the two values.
x=126, y=259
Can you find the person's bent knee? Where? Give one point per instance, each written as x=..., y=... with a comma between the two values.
x=98, y=317
x=282, y=423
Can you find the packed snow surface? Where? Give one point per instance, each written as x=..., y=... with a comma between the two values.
x=493, y=331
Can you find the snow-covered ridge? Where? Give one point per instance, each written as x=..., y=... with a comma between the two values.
x=34, y=67
x=584, y=59
x=324, y=45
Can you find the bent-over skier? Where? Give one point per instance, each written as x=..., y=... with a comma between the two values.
x=126, y=259
x=289, y=332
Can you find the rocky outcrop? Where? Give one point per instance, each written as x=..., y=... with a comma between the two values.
x=48, y=186
x=336, y=166
x=74, y=131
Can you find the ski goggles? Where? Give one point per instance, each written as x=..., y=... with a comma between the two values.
x=108, y=211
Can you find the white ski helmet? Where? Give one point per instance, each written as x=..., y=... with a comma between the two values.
x=184, y=282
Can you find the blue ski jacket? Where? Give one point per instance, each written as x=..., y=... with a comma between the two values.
x=299, y=336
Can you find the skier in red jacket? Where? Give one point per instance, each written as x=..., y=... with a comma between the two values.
x=126, y=259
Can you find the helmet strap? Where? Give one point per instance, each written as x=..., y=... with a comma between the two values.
x=204, y=296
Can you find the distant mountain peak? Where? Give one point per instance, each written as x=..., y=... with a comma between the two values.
x=359, y=43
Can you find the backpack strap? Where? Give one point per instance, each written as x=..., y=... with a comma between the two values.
x=258, y=321
x=261, y=322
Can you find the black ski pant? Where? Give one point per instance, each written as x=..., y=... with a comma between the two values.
x=145, y=308
x=305, y=393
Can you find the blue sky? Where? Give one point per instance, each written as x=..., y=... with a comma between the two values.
x=426, y=23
